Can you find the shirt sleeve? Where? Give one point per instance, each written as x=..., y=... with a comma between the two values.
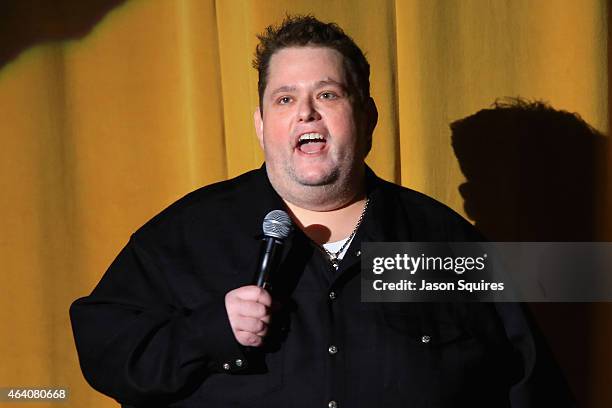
x=541, y=383
x=138, y=346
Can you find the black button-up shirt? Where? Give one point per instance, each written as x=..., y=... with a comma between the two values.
x=154, y=332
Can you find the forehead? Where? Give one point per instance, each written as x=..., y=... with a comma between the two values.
x=296, y=65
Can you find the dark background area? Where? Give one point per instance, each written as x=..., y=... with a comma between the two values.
x=538, y=174
x=26, y=23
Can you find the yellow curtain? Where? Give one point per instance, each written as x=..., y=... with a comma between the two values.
x=113, y=109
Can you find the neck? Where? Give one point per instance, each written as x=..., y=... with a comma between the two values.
x=330, y=225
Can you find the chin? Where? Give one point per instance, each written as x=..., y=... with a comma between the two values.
x=317, y=178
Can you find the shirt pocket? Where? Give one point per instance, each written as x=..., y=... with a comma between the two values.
x=429, y=355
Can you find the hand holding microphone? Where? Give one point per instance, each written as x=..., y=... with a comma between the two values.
x=248, y=307
x=248, y=310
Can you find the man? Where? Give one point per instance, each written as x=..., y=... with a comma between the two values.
x=176, y=321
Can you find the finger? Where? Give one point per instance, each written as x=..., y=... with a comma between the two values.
x=248, y=339
x=249, y=308
x=251, y=292
x=249, y=324
x=264, y=298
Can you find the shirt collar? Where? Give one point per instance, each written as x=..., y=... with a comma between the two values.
x=384, y=217
x=262, y=198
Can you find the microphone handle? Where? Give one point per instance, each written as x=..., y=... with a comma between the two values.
x=268, y=262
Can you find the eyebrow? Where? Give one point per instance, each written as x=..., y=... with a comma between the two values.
x=328, y=82
x=286, y=88
x=320, y=84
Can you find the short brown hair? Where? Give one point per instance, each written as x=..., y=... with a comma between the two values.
x=306, y=30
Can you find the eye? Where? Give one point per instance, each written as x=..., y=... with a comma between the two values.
x=328, y=95
x=283, y=100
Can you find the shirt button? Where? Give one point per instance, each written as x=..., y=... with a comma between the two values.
x=226, y=366
x=332, y=404
x=239, y=363
x=332, y=295
x=358, y=253
x=332, y=350
x=425, y=339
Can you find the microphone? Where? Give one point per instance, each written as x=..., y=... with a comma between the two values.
x=277, y=226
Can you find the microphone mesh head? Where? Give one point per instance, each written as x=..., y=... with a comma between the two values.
x=277, y=224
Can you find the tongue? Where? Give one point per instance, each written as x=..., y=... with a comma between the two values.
x=312, y=147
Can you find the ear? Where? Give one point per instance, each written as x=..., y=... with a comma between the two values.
x=258, y=122
x=371, y=117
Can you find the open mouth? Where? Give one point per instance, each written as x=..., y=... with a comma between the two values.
x=311, y=143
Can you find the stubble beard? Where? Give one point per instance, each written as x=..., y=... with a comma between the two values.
x=330, y=191
x=326, y=179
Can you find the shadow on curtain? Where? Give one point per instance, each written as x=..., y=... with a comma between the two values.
x=538, y=174
x=26, y=23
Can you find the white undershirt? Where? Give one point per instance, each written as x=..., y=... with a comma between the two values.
x=335, y=246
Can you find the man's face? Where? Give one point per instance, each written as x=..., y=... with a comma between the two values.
x=311, y=132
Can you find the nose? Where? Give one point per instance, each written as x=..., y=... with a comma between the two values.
x=307, y=111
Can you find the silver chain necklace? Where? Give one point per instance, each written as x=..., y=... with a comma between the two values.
x=333, y=256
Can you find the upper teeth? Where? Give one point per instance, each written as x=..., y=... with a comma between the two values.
x=312, y=136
